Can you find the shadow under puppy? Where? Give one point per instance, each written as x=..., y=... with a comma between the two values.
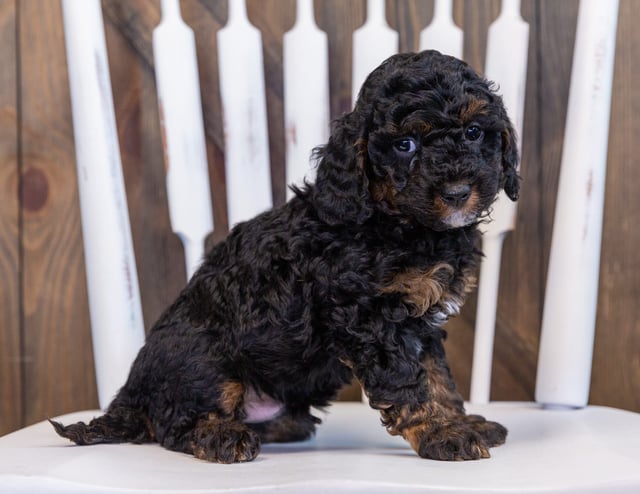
x=356, y=275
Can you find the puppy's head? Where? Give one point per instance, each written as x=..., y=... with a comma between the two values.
x=428, y=141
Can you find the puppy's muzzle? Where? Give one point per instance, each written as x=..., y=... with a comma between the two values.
x=456, y=195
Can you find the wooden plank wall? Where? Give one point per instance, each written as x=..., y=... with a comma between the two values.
x=46, y=363
x=10, y=286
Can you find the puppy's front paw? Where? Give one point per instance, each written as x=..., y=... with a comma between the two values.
x=226, y=442
x=465, y=438
x=493, y=433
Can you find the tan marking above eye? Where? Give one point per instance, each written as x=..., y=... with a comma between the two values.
x=474, y=108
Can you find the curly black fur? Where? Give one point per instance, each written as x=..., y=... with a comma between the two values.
x=356, y=275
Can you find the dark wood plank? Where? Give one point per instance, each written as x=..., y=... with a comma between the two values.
x=10, y=357
x=58, y=360
x=520, y=302
x=409, y=17
x=557, y=33
x=206, y=19
x=339, y=18
x=554, y=34
x=273, y=18
x=616, y=366
x=474, y=18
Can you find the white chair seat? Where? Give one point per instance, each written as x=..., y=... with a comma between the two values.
x=595, y=449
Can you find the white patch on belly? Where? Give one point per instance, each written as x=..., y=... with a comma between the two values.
x=260, y=408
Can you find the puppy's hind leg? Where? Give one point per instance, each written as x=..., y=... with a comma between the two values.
x=221, y=436
x=224, y=441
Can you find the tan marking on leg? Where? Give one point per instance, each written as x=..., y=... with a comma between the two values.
x=221, y=440
x=434, y=431
x=231, y=394
x=445, y=403
x=439, y=429
x=453, y=299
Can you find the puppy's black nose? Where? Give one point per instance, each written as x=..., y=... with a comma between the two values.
x=456, y=195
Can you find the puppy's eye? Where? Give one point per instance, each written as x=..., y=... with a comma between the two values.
x=405, y=146
x=473, y=133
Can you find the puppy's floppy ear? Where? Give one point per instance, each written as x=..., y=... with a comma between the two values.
x=342, y=187
x=510, y=181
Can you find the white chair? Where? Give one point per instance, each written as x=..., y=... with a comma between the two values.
x=562, y=447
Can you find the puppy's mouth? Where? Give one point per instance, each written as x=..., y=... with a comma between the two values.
x=457, y=206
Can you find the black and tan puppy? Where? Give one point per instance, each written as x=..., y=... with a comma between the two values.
x=354, y=276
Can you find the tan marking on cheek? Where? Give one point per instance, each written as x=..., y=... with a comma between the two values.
x=472, y=203
x=441, y=208
x=384, y=191
x=421, y=288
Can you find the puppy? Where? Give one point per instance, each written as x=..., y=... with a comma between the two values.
x=356, y=275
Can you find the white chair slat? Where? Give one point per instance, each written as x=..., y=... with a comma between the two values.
x=242, y=90
x=180, y=109
x=571, y=294
x=373, y=42
x=112, y=282
x=306, y=94
x=442, y=34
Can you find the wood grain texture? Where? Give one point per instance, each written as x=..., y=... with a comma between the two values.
x=339, y=18
x=46, y=364
x=206, y=19
x=475, y=18
x=273, y=18
x=521, y=290
x=58, y=361
x=409, y=18
x=616, y=360
x=10, y=348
